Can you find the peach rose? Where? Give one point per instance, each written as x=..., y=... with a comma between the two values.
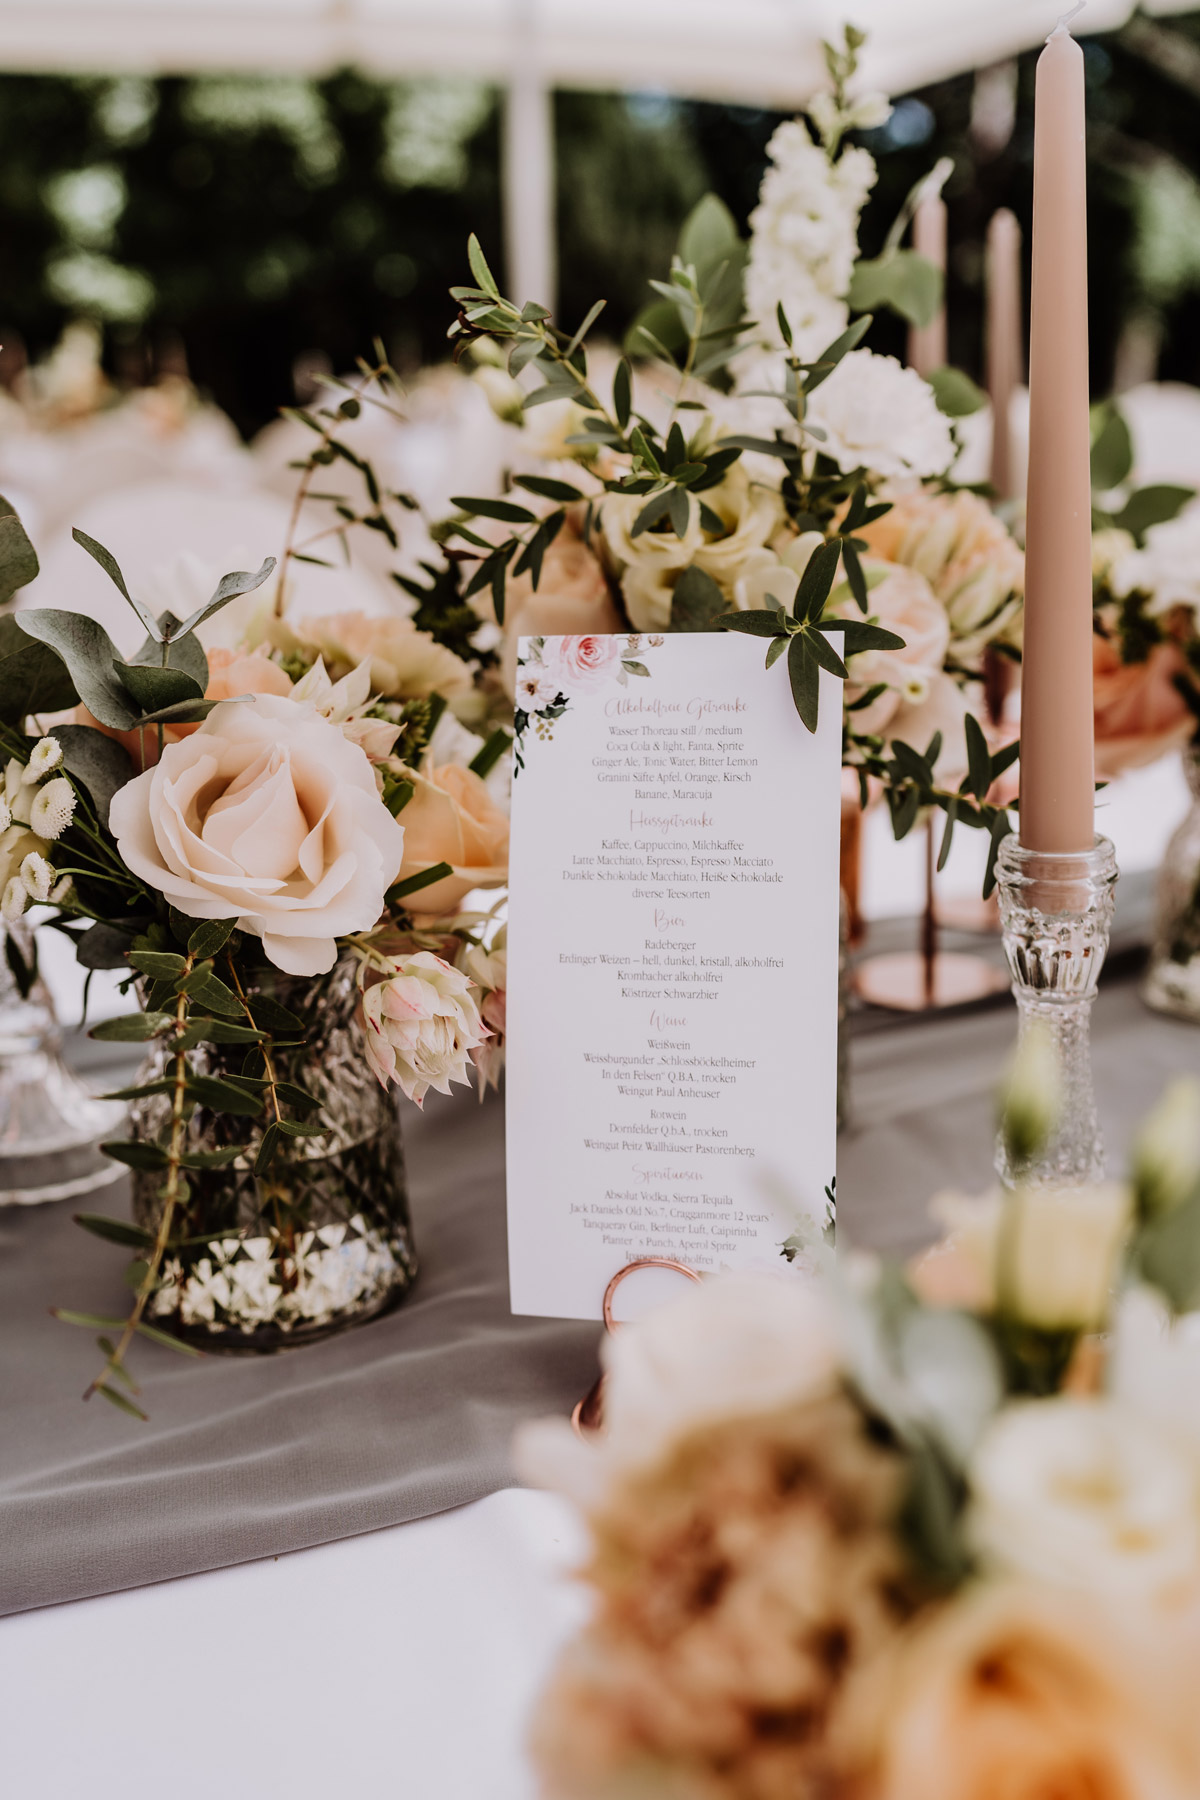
x=452, y=818
x=266, y=814
x=572, y=599
x=1017, y=1692
x=1140, y=713
x=901, y=602
x=965, y=554
x=406, y=664
x=230, y=674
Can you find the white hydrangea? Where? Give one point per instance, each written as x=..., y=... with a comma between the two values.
x=878, y=415
x=1167, y=568
x=804, y=241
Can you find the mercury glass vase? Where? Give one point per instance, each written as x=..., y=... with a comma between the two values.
x=1172, y=979
x=50, y=1125
x=322, y=1239
x=1056, y=914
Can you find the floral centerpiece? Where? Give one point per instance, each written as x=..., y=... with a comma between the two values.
x=1146, y=671
x=867, y=1532
x=764, y=473
x=275, y=845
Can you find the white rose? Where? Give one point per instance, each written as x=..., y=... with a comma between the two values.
x=1087, y=1494
x=1059, y=1254
x=1168, y=567
x=880, y=416
x=768, y=575
x=269, y=816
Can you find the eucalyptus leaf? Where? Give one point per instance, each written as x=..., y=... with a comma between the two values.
x=33, y=677
x=97, y=761
x=1152, y=506
x=1112, y=447
x=103, y=946
x=902, y=280
x=116, y=1231
x=155, y=688
x=240, y=581
x=209, y=936
x=109, y=564
x=956, y=394
x=18, y=558
x=131, y=1028
x=183, y=712
x=89, y=655
x=183, y=651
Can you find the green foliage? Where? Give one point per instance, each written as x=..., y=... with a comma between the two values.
x=33, y=678
x=902, y=281
x=956, y=394
x=18, y=558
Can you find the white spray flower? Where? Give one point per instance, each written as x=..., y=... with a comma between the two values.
x=45, y=756
x=15, y=900
x=53, y=808
x=37, y=876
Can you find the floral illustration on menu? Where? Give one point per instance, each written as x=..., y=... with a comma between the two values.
x=556, y=670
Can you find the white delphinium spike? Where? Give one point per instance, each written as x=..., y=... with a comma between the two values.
x=46, y=755
x=53, y=808
x=37, y=876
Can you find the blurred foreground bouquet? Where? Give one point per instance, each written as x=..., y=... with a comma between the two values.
x=758, y=470
x=883, y=1534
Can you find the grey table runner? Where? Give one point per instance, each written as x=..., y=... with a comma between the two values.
x=412, y=1414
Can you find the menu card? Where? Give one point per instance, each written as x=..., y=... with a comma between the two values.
x=672, y=961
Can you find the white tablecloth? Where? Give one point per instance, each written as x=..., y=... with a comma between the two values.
x=402, y=1663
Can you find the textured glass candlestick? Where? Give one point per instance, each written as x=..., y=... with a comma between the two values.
x=1056, y=912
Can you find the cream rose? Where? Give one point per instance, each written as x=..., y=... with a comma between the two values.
x=1017, y=1691
x=1059, y=1252
x=452, y=818
x=1087, y=1494
x=269, y=816
x=572, y=599
x=650, y=564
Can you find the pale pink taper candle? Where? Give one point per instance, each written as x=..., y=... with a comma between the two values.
x=1057, y=764
x=1005, y=342
x=927, y=343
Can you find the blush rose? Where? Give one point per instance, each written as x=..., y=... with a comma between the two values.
x=268, y=815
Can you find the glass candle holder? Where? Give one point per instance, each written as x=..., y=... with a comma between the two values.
x=1056, y=913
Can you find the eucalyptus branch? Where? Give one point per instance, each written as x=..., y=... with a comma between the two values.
x=114, y=1367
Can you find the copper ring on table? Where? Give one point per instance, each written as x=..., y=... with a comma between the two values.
x=641, y=1262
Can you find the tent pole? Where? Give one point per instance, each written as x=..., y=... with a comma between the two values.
x=527, y=169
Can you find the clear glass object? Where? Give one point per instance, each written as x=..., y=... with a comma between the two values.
x=1056, y=914
x=50, y=1124
x=323, y=1239
x=1172, y=979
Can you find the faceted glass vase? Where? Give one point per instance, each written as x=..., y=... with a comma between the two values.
x=1172, y=980
x=322, y=1239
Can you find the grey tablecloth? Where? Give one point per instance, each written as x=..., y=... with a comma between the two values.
x=414, y=1413
x=250, y=1456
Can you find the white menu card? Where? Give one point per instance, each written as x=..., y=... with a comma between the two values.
x=672, y=961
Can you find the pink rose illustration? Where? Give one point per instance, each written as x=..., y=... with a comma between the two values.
x=580, y=665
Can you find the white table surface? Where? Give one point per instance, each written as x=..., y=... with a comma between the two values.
x=402, y=1663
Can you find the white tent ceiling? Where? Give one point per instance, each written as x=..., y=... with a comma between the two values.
x=764, y=51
